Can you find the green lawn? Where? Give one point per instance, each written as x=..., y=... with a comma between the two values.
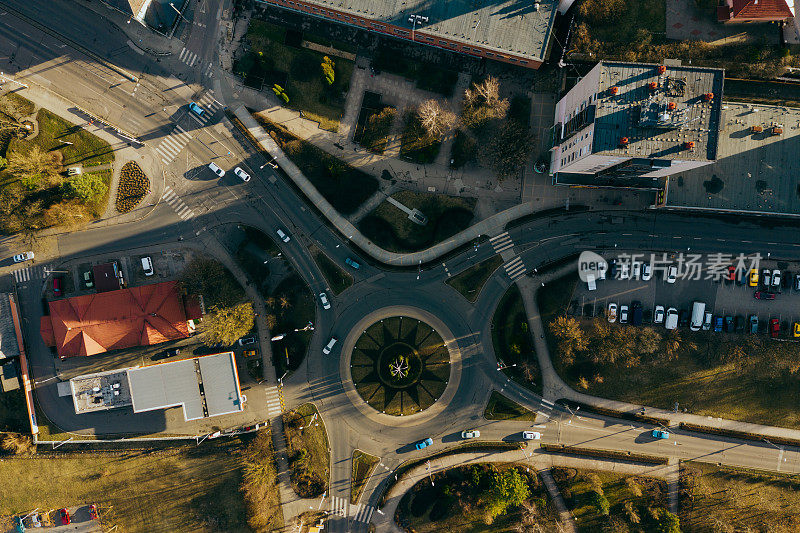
x=298, y=71
x=602, y=501
x=338, y=280
x=390, y=228
x=363, y=465
x=308, y=450
x=470, y=282
x=512, y=341
x=345, y=187
x=501, y=408
x=186, y=488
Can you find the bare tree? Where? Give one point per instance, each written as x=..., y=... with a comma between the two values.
x=437, y=119
x=482, y=102
x=36, y=168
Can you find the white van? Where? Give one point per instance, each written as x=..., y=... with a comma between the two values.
x=590, y=282
x=147, y=266
x=698, y=314
x=671, y=321
x=328, y=347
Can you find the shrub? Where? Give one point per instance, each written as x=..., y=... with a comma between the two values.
x=133, y=187
x=327, y=69
x=85, y=186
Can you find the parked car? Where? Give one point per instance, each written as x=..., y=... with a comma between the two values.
x=796, y=330
x=728, y=324
x=244, y=176
x=63, y=514
x=244, y=341
x=282, y=235
x=623, y=314
x=776, y=278
x=752, y=279
x=707, y=321
x=24, y=256
x=647, y=316
x=672, y=274
x=215, y=169
x=658, y=315
x=147, y=266
x=683, y=318
x=249, y=353
x=763, y=295
x=93, y=512
x=611, y=313
x=671, y=320
x=774, y=327
x=660, y=434
x=324, y=299
x=786, y=280
x=647, y=272
x=731, y=274
x=636, y=313
x=766, y=278
x=718, y=324
x=625, y=270
x=19, y=524
x=57, y=286
x=738, y=322
x=424, y=443
x=88, y=279
x=197, y=110
x=470, y=434
x=636, y=270
x=797, y=282
x=531, y=435
x=753, y=323
x=612, y=268
x=352, y=263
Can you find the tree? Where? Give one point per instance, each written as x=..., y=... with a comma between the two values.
x=327, y=69
x=280, y=92
x=85, y=186
x=437, y=119
x=508, y=150
x=271, y=320
x=223, y=325
x=377, y=129
x=210, y=278
x=508, y=488
x=570, y=336
x=668, y=523
x=36, y=167
x=600, y=502
x=482, y=103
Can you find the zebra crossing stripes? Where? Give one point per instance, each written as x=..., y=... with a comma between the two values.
x=547, y=408
x=339, y=506
x=363, y=513
x=501, y=242
x=188, y=57
x=28, y=273
x=273, y=401
x=515, y=268
x=208, y=103
x=208, y=71
x=177, y=204
x=172, y=144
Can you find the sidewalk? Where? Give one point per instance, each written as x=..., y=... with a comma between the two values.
x=140, y=36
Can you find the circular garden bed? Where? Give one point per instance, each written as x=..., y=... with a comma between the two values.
x=400, y=366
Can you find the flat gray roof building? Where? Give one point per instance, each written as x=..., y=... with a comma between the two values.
x=512, y=31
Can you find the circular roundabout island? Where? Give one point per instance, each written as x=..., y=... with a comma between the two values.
x=400, y=365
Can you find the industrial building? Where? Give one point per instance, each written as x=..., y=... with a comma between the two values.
x=632, y=124
x=509, y=31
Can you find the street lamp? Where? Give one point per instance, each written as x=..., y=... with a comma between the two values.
x=177, y=11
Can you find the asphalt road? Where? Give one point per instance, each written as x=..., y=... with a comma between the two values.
x=155, y=105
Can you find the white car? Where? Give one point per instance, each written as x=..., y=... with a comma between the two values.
x=637, y=270
x=324, y=299
x=776, y=278
x=24, y=256
x=470, y=434
x=611, y=314
x=624, y=271
x=658, y=314
x=647, y=272
x=531, y=435
x=623, y=314
x=242, y=174
x=672, y=274
x=707, y=321
x=671, y=322
x=282, y=235
x=328, y=347
x=216, y=170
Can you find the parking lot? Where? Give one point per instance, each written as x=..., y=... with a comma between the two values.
x=722, y=298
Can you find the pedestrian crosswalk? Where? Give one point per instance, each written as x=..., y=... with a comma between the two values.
x=208, y=73
x=29, y=273
x=188, y=57
x=172, y=144
x=363, y=513
x=501, y=242
x=273, y=401
x=339, y=506
x=210, y=104
x=515, y=268
x=177, y=204
x=546, y=409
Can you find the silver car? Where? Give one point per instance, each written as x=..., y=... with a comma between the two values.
x=324, y=299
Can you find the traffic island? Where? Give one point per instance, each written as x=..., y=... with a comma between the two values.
x=400, y=365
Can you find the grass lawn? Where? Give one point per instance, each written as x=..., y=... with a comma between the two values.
x=390, y=228
x=512, y=341
x=308, y=450
x=602, y=501
x=298, y=71
x=186, y=488
x=501, y=408
x=735, y=376
x=470, y=282
x=13, y=413
x=415, y=143
x=363, y=465
x=739, y=499
x=455, y=503
x=338, y=280
x=345, y=187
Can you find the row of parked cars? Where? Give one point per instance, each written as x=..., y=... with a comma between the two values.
x=773, y=280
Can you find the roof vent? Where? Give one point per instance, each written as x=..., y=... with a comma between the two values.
x=671, y=106
x=613, y=90
x=661, y=69
x=708, y=97
x=624, y=141
x=652, y=85
x=688, y=145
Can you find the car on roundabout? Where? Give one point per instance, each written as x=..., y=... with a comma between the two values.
x=660, y=434
x=424, y=443
x=470, y=434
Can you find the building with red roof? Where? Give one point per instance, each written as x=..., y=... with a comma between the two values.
x=97, y=323
x=753, y=11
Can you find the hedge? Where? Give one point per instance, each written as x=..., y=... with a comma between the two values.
x=607, y=454
x=746, y=435
x=625, y=415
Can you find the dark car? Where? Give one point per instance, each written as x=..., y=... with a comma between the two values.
x=588, y=310
x=729, y=324
x=647, y=316
x=764, y=295
x=636, y=313
x=612, y=268
x=786, y=280
x=165, y=354
x=718, y=322
x=753, y=324
x=774, y=327
x=739, y=323
x=352, y=263
x=683, y=318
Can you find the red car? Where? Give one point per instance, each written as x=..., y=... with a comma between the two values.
x=64, y=514
x=774, y=327
x=57, y=286
x=93, y=512
x=763, y=295
x=731, y=273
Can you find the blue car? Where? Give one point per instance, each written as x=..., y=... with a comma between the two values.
x=660, y=434
x=424, y=443
x=717, y=324
x=352, y=263
x=197, y=110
